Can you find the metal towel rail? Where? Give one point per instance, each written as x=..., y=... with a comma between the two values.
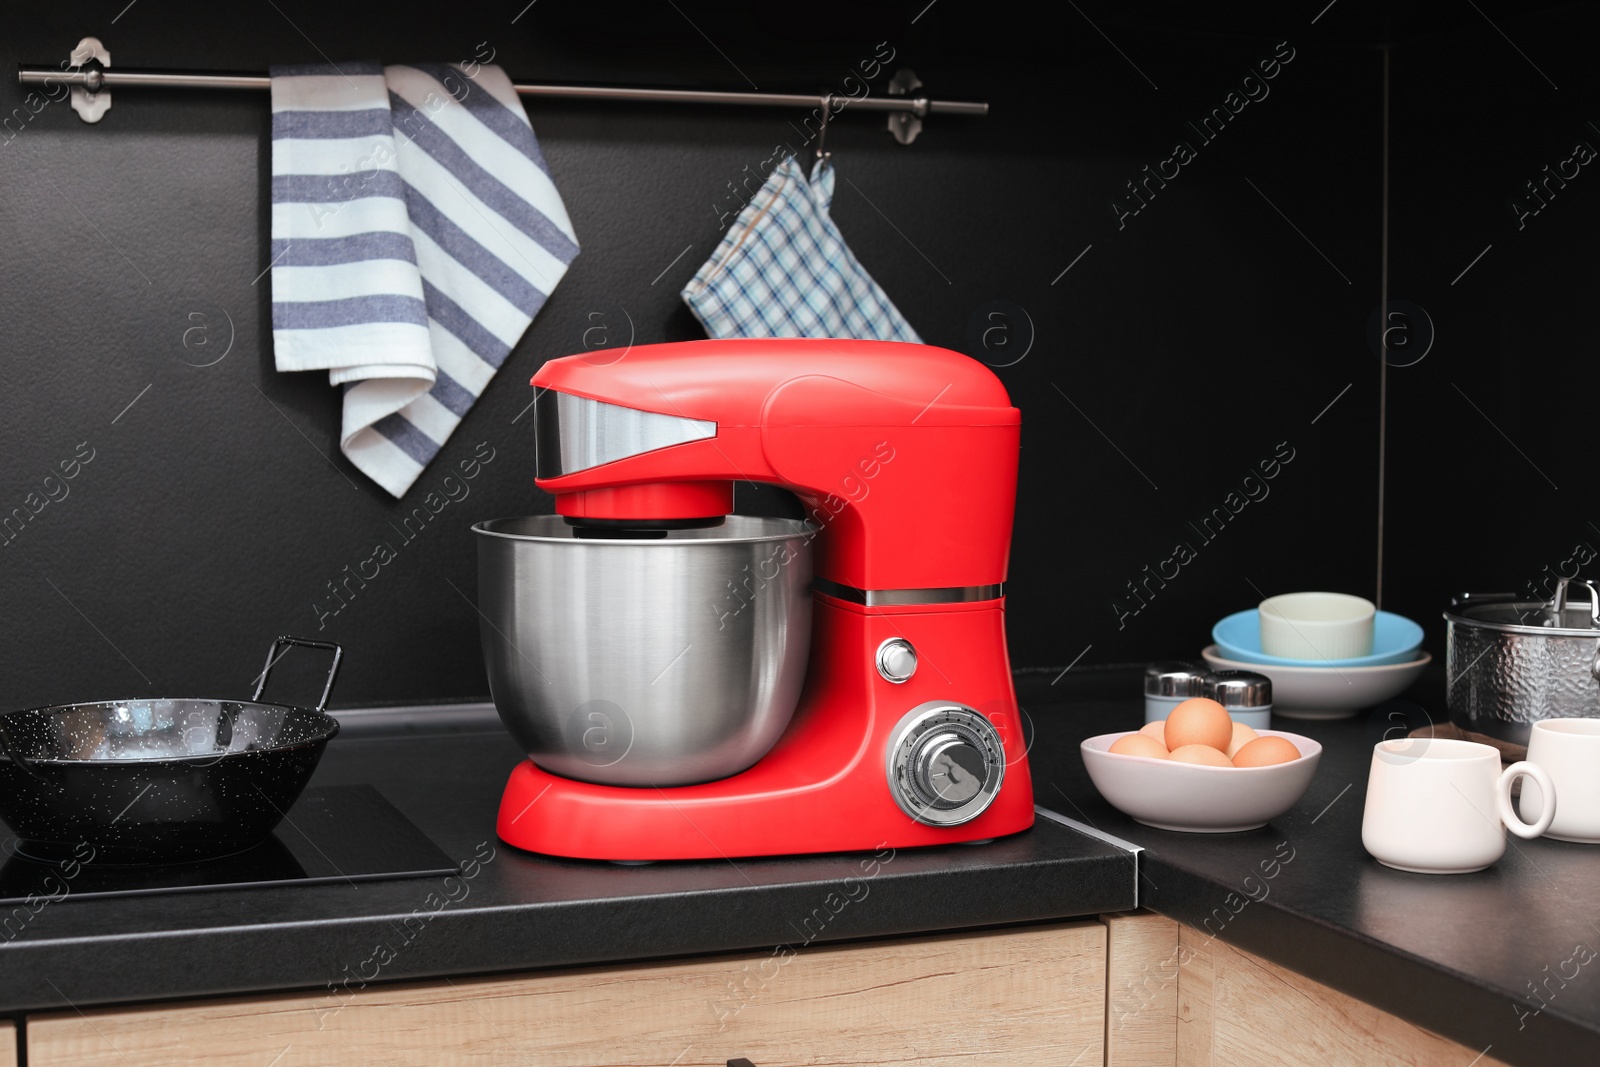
x=87, y=71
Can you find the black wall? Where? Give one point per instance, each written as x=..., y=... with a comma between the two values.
x=1220, y=328
x=1493, y=479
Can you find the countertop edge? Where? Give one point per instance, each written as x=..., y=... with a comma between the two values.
x=323, y=955
x=1371, y=971
x=121, y=955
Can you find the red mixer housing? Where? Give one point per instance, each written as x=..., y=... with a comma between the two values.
x=905, y=457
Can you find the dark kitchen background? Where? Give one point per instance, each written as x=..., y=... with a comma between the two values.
x=1166, y=353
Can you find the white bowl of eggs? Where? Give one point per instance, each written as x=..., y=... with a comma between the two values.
x=1201, y=772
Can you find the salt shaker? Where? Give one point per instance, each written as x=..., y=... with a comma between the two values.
x=1246, y=694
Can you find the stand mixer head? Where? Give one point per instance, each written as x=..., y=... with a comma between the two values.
x=906, y=730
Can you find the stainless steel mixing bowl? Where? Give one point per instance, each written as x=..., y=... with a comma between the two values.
x=639, y=662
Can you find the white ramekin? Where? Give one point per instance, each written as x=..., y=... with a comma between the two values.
x=1316, y=626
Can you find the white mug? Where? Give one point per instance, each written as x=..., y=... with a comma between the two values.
x=1437, y=806
x=1568, y=750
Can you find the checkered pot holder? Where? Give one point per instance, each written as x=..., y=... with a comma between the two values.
x=783, y=270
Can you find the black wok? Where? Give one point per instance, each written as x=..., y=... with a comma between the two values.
x=164, y=780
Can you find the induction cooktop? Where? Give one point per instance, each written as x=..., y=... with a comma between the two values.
x=341, y=833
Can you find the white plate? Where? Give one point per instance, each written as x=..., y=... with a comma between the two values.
x=1327, y=692
x=1205, y=800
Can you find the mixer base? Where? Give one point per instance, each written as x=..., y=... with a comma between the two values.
x=823, y=786
x=554, y=816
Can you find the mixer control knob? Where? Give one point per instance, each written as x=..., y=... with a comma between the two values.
x=897, y=660
x=945, y=763
x=950, y=768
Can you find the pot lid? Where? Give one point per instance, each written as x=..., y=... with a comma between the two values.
x=1556, y=617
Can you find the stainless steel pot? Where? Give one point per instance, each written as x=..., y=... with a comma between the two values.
x=664, y=661
x=1510, y=663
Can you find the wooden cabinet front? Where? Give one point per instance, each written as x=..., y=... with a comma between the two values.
x=1033, y=994
x=1238, y=1009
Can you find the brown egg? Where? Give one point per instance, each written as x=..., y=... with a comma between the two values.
x=1204, y=755
x=1264, y=752
x=1242, y=735
x=1139, y=745
x=1198, y=721
x=1157, y=730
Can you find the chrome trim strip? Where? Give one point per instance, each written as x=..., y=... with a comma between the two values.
x=1129, y=847
x=1083, y=828
x=873, y=598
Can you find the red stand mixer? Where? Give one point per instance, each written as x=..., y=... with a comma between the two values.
x=844, y=682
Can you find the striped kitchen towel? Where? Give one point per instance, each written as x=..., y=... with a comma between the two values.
x=783, y=270
x=415, y=234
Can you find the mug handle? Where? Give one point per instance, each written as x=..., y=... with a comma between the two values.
x=1547, y=793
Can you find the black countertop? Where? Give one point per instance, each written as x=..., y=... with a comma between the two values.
x=520, y=911
x=1462, y=955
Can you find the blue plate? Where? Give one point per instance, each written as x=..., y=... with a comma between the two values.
x=1395, y=639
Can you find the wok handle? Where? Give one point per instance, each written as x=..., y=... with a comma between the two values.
x=275, y=653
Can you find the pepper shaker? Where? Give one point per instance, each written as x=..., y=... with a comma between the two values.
x=1166, y=685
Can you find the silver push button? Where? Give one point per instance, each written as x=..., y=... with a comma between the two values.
x=897, y=660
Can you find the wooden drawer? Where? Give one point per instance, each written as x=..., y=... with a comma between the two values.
x=1239, y=1010
x=1035, y=994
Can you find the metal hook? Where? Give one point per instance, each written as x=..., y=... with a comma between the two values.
x=822, y=130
